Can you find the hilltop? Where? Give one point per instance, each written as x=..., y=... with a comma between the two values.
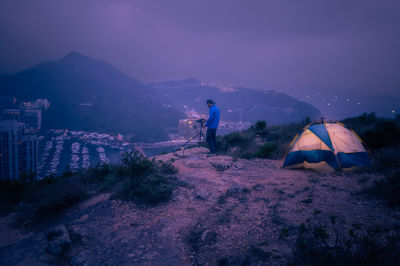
x=222, y=211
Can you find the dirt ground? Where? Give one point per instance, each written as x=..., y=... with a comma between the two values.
x=224, y=211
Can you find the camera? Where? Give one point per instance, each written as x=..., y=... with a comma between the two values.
x=202, y=121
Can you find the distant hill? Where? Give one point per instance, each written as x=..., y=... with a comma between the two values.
x=89, y=94
x=237, y=104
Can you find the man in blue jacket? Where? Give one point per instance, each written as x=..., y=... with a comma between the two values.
x=212, y=125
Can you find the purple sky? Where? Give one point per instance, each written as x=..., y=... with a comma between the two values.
x=292, y=46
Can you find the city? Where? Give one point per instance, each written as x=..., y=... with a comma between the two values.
x=29, y=150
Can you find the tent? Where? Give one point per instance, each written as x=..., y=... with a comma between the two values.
x=326, y=146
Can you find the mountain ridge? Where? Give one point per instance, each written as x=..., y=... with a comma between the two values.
x=237, y=103
x=120, y=103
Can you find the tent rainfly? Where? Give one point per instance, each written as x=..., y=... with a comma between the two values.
x=326, y=146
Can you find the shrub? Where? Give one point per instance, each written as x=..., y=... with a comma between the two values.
x=144, y=180
x=259, y=141
x=95, y=174
x=386, y=158
x=109, y=181
x=135, y=165
x=383, y=134
x=151, y=189
x=315, y=245
x=267, y=150
x=236, y=139
x=387, y=188
x=57, y=197
x=167, y=168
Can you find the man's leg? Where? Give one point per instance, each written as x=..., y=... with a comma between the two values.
x=209, y=139
x=214, y=139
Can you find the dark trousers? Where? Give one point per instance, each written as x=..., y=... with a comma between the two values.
x=211, y=139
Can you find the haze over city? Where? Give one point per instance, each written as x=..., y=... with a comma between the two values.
x=303, y=48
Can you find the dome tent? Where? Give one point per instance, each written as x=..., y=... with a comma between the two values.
x=326, y=146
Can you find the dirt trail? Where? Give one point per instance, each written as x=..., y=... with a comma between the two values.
x=215, y=216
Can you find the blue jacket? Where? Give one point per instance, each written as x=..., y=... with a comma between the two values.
x=213, y=118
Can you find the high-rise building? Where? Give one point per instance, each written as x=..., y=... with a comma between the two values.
x=42, y=103
x=12, y=114
x=18, y=150
x=30, y=153
x=32, y=118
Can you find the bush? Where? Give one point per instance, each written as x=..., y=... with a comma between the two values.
x=58, y=198
x=151, y=189
x=386, y=158
x=259, y=141
x=383, y=134
x=96, y=174
x=109, y=181
x=236, y=139
x=260, y=125
x=267, y=150
x=377, y=133
x=145, y=182
x=167, y=168
x=387, y=188
x=316, y=246
x=135, y=165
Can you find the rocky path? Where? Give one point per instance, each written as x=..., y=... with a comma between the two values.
x=224, y=211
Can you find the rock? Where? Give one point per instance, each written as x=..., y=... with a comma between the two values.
x=46, y=258
x=221, y=163
x=238, y=166
x=76, y=233
x=208, y=236
x=78, y=260
x=202, y=194
x=83, y=218
x=236, y=189
x=59, y=241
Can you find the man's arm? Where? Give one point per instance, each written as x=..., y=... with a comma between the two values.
x=211, y=118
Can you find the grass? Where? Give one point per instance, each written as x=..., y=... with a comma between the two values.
x=136, y=178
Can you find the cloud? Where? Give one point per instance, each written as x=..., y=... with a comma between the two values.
x=293, y=46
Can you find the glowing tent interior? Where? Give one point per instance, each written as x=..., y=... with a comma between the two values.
x=326, y=146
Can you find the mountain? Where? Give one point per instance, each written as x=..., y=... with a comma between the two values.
x=87, y=94
x=236, y=104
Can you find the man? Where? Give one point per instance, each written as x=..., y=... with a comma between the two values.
x=212, y=125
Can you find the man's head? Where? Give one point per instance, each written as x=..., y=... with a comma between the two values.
x=210, y=103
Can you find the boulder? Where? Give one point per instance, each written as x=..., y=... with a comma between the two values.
x=236, y=189
x=79, y=259
x=221, y=163
x=208, y=236
x=59, y=241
